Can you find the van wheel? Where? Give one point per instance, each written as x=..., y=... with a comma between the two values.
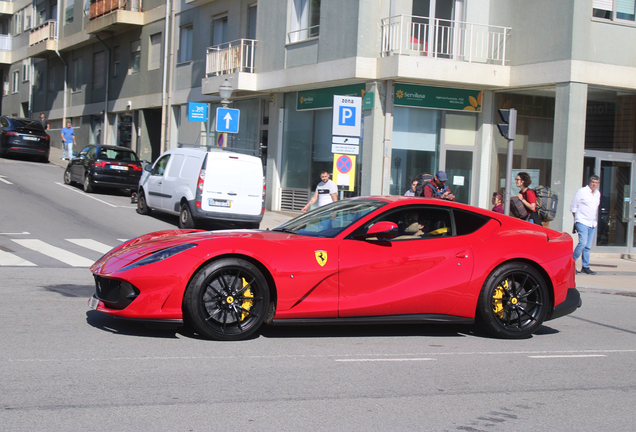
x=185, y=217
x=142, y=205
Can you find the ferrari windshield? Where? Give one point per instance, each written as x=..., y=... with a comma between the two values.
x=330, y=220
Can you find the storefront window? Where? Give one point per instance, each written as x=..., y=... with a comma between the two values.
x=415, y=145
x=296, y=145
x=610, y=122
x=533, y=142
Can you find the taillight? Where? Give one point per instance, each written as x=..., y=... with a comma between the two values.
x=46, y=138
x=13, y=133
x=136, y=168
x=264, y=189
x=201, y=179
x=100, y=164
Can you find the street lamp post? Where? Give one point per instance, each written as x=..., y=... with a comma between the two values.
x=225, y=91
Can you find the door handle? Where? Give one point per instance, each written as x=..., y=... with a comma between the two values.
x=462, y=254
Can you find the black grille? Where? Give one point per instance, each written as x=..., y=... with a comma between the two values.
x=115, y=294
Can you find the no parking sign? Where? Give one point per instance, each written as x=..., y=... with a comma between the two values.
x=344, y=171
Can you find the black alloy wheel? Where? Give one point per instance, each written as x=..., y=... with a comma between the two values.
x=185, y=217
x=142, y=205
x=513, y=302
x=227, y=300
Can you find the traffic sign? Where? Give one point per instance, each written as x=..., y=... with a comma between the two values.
x=227, y=120
x=344, y=171
x=197, y=111
x=347, y=116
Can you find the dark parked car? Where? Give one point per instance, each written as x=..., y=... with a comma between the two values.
x=23, y=136
x=104, y=166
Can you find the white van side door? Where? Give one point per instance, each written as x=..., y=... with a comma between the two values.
x=155, y=182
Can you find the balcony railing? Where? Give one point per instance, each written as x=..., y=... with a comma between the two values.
x=43, y=32
x=103, y=7
x=235, y=56
x=440, y=38
x=6, y=43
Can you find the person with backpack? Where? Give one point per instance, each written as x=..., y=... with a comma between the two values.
x=436, y=188
x=527, y=197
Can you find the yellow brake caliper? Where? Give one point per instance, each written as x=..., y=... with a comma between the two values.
x=497, y=299
x=247, y=302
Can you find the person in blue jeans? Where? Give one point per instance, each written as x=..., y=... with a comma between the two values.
x=68, y=140
x=584, y=208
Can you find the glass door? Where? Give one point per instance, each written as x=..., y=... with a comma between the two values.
x=615, y=231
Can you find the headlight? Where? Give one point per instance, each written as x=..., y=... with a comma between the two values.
x=159, y=256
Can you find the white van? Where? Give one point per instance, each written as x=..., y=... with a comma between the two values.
x=200, y=185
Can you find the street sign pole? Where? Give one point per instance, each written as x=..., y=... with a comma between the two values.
x=508, y=130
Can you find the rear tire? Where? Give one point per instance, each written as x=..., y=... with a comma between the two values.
x=142, y=205
x=513, y=302
x=87, y=185
x=186, y=221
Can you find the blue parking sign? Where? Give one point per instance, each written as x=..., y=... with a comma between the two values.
x=347, y=116
x=227, y=120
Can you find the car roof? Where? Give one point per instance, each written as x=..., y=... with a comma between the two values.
x=112, y=147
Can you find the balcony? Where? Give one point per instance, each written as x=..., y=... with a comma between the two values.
x=6, y=7
x=6, y=45
x=236, y=57
x=42, y=39
x=114, y=16
x=444, y=39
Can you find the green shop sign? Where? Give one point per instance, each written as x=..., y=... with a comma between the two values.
x=437, y=97
x=323, y=98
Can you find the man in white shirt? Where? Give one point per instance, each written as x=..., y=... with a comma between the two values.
x=584, y=208
x=411, y=192
x=326, y=192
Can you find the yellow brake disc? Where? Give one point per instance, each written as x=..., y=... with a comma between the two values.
x=497, y=299
x=247, y=302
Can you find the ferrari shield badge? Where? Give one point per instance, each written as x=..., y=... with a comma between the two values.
x=321, y=257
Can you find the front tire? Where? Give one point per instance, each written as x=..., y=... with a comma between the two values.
x=87, y=184
x=142, y=205
x=67, y=176
x=513, y=302
x=186, y=221
x=227, y=300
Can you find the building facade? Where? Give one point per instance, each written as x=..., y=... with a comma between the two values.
x=432, y=75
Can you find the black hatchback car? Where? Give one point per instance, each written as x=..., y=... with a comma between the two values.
x=105, y=166
x=22, y=136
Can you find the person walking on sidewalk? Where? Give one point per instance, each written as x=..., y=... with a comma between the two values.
x=584, y=208
x=68, y=140
x=326, y=192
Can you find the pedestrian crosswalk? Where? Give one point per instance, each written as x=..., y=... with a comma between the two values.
x=30, y=252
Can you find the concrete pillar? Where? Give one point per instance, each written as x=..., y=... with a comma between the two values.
x=568, y=148
x=485, y=152
x=274, y=152
x=372, y=146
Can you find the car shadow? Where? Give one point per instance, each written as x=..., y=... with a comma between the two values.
x=125, y=327
x=393, y=330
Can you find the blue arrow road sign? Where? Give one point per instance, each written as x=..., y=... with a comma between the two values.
x=227, y=120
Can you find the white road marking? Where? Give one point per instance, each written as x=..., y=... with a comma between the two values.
x=385, y=360
x=22, y=233
x=91, y=244
x=91, y=196
x=567, y=356
x=54, y=252
x=9, y=259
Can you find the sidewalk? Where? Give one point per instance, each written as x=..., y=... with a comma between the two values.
x=613, y=271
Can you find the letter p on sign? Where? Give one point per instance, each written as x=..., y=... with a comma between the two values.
x=347, y=116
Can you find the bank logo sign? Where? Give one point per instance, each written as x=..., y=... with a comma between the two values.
x=446, y=98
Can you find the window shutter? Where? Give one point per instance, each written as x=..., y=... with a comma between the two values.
x=603, y=4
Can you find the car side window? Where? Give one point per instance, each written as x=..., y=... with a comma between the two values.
x=160, y=167
x=91, y=153
x=3, y=122
x=418, y=222
x=84, y=151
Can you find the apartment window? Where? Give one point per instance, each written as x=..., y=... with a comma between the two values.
x=16, y=81
x=251, y=22
x=154, y=60
x=28, y=14
x=219, y=31
x=116, y=60
x=17, y=23
x=68, y=11
x=185, y=43
x=305, y=20
x=135, y=56
x=614, y=10
x=26, y=70
x=77, y=74
x=99, y=65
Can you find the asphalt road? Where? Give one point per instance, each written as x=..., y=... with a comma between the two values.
x=63, y=367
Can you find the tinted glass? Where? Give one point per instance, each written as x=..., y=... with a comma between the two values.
x=28, y=124
x=117, y=155
x=467, y=222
